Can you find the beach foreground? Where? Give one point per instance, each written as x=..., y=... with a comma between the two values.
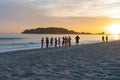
x=100, y=61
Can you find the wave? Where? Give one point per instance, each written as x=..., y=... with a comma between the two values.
x=18, y=46
x=11, y=38
x=29, y=43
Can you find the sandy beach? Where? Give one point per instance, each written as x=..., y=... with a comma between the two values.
x=99, y=61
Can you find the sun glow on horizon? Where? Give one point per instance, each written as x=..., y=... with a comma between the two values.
x=114, y=28
x=116, y=37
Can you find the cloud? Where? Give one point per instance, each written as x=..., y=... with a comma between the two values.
x=59, y=8
x=55, y=12
x=66, y=8
x=22, y=10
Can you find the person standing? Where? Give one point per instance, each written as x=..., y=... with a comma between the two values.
x=66, y=40
x=42, y=42
x=103, y=40
x=55, y=42
x=51, y=41
x=77, y=39
x=47, y=42
x=106, y=38
x=59, y=41
x=63, y=41
x=69, y=41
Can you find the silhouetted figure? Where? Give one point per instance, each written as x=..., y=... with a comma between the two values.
x=106, y=38
x=55, y=42
x=51, y=41
x=77, y=39
x=69, y=41
x=63, y=41
x=103, y=40
x=42, y=42
x=59, y=41
x=66, y=40
x=47, y=42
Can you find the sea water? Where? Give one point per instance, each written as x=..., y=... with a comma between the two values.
x=9, y=42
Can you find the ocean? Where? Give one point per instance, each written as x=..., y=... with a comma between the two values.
x=10, y=42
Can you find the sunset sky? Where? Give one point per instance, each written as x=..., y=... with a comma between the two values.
x=79, y=15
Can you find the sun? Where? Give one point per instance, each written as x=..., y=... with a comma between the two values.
x=114, y=28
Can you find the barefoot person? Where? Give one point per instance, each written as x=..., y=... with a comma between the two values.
x=47, y=42
x=55, y=42
x=63, y=41
x=106, y=38
x=59, y=41
x=77, y=39
x=103, y=40
x=69, y=41
x=51, y=41
x=66, y=41
x=42, y=42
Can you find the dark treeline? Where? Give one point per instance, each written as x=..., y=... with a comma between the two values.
x=49, y=30
x=55, y=30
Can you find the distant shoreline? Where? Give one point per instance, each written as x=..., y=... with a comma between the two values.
x=49, y=30
x=55, y=30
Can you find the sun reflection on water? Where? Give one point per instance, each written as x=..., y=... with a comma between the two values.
x=116, y=37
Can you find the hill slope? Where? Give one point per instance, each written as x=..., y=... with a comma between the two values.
x=49, y=30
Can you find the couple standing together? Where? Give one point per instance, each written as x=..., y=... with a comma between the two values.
x=103, y=38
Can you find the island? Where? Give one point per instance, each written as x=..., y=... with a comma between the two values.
x=49, y=30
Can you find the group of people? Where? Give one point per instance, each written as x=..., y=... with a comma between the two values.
x=64, y=41
x=105, y=38
x=57, y=41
